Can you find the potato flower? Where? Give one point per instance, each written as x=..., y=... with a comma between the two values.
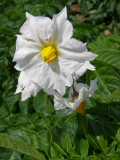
x=48, y=56
x=77, y=95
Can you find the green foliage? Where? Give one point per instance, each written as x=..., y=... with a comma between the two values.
x=32, y=130
x=19, y=145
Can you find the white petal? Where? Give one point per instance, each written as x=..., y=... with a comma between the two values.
x=74, y=67
x=61, y=29
x=74, y=57
x=35, y=28
x=75, y=50
x=49, y=78
x=27, y=53
x=84, y=92
x=59, y=102
x=82, y=69
x=93, y=87
x=22, y=43
x=73, y=44
x=26, y=87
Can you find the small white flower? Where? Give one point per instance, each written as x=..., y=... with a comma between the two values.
x=48, y=55
x=77, y=94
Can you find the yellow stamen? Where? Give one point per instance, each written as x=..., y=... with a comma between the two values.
x=49, y=54
x=81, y=108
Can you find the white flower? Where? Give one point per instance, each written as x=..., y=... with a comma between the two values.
x=48, y=55
x=77, y=94
x=26, y=87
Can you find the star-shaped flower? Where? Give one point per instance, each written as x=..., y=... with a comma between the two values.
x=48, y=55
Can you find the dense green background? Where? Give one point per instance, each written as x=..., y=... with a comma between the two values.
x=33, y=129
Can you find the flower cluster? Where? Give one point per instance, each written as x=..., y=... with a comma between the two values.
x=49, y=59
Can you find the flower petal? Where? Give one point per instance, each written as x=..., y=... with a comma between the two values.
x=27, y=53
x=59, y=102
x=82, y=69
x=49, y=78
x=26, y=87
x=84, y=92
x=35, y=28
x=93, y=87
x=75, y=50
x=61, y=29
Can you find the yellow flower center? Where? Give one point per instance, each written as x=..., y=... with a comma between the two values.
x=49, y=54
x=81, y=108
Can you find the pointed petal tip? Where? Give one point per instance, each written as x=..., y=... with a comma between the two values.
x=28, y=15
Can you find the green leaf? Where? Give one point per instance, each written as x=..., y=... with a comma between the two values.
x=115, y=156
x=3, y=125
x=84, y=147
x=59, y=148
x=56, y=150
x=107, y=68
x=112, y=130
x=8, y=154
x=26, y=157
x=115, y=113
x=66, y=144
x=97, y=134
x=3, y=111
x=107, y=83
x=92, y=158
x=109, y=56
x=31, y=138
x=42, y=104
x=20, y=146
x=76, y=157
x=111, y=149
x=70, y=125
x=10, y=100
x=24, y=106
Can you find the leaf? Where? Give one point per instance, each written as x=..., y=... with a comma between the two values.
x=92, y=158
x=107, y=68
x=70, y=125
x=97, y=134
x=76, y=157
x=10, y=100
x=111, y=149
x=107, y=83
x=112, y=130
x=24, y=106
x=3, y=67
x=115, y=113
x=43, y=104
x=3, y=125
x=109, y=56
x=115, y=156
x=64, y=112
x=31, y=138
x=65, y=141
x=20, y=146
x=84, y=147
x=56, y=150
x=26, y=157
x=3, y=111
x=8, y=154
